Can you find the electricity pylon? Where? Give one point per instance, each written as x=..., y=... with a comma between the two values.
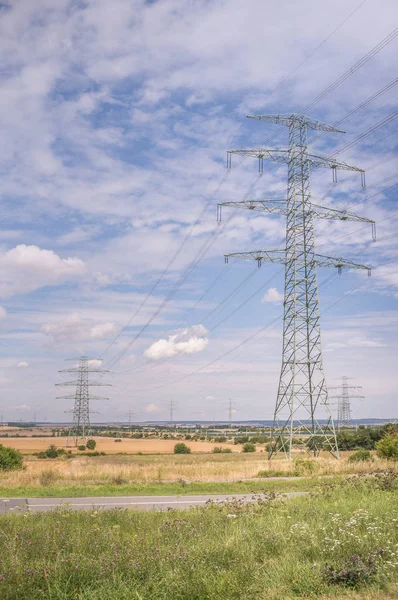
x=344, y=406
x=302, y=393
x=80, y=428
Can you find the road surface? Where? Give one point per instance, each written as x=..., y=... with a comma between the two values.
x=15, y=505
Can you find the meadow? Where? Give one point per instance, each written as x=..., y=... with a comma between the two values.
x=343, y=543
x=175, y=474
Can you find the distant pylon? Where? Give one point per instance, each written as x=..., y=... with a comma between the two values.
x=302, y=410
x=80, y=429
x=344, y=405
x=172, y=407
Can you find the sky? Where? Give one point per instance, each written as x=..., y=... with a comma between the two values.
x=115, y=118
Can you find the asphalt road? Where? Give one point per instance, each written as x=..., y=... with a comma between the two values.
x=16, y=505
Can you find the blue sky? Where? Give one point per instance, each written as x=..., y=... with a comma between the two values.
x=115, y=120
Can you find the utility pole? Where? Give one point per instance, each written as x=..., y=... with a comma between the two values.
x=302, y=409
x=80, y=428
x=130, y=415
x=344, y=405
x=231, y=409
x=171, y=407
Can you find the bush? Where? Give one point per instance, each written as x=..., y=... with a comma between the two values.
x=355, y=571
x=82, y=448
x=47, y=477
x=361, y=455
x=217, y=450
x=249, y=447
x=226, y=450
x=304, y=466
x=51, y=452
x=117, y=440
x=10, y=459
x=182, y=448
x=387, y=447
x=91, y=444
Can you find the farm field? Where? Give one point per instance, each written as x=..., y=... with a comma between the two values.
x=341, y=544
x=29, y=445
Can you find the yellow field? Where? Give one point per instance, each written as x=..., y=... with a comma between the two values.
x=108, y=445
x=86, y=470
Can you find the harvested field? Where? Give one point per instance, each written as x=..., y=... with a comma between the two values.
x=108, y=445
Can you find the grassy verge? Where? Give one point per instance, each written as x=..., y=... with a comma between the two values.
x=157, y=489
x=272, y=550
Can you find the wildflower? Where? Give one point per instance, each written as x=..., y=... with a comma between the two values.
x=231, y=516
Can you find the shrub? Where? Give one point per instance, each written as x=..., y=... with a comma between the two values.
x=117, y=440
x=182, y=448
x=82, y=448
x=91, y=444
x=387, y=447
x=217, y=450
x=361, y=455
x=119, y=480
x=226, y=450
x=355, y=571
x=303, y=466
x=10, y=459
x=248, y=447
x=47, y=477
x=52, y=452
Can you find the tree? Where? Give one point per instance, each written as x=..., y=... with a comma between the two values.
x=91, y=444
x=182, y=448
x=10, y=459
x=387, y=447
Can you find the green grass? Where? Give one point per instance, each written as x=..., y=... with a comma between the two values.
x=270, y=551
x=156, y=489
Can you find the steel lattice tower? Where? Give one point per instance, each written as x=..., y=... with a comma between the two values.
x=302, y=409
x=80, y=429
x=344, y=406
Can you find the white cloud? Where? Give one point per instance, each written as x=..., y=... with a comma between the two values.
x=76, y=327
x=272, y=295
x=151, y=408
x=3, y=312
x=23, y=364
x=183, y=341
x=21, y=407
x=27, y=268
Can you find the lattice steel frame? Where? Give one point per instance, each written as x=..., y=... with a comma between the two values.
x=81, y=427
x=344, y=404
x=302, y=391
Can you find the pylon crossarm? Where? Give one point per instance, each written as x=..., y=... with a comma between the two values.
x=324, y=161
x=324, y=212
x=78, y=370
x=339, y=263
x=96, y=383
x=73, y=397
x=272, y=256
x=279, y=155
x=274, y=207
x=290, y=119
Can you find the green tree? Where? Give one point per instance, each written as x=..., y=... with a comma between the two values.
x=182, y=448
x=10, y=459
x=387, y=447
x=91, y=444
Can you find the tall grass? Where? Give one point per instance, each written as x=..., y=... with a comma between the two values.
x=103, y=470
x=272, y=550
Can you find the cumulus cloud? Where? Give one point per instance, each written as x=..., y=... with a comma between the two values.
x=76, y=327
x=151, y=408
x=27, y=268
x=272, y=295
x=182, y=341
x=22, y=364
